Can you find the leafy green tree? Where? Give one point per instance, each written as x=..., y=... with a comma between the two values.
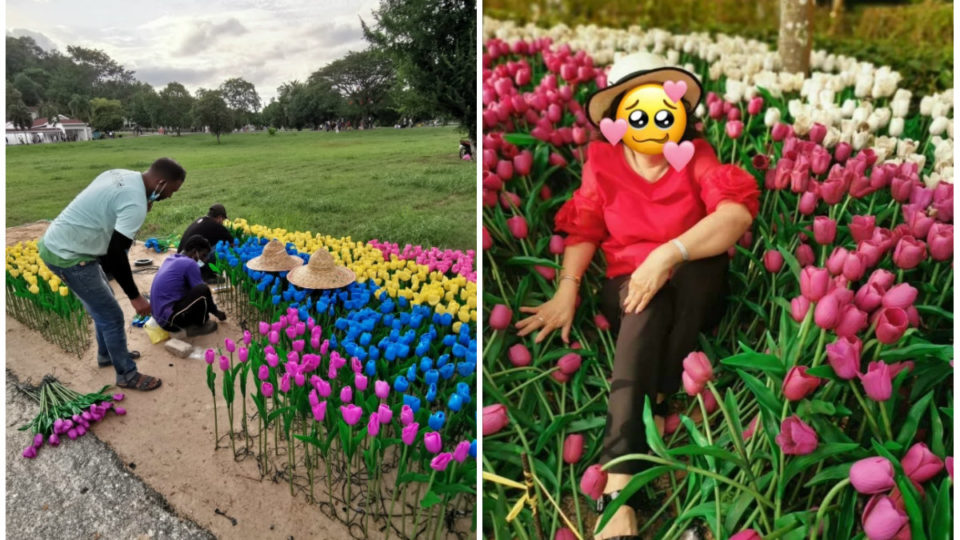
x=106, y=114
x=17, y=111
x=364, y=79
x=144, y=107
x=22, y=53
x=211, y=110
x=242, y=98
x=433, y=44
x=30, y=90
x=175, y=107
x=79, y=107
x=273, y=114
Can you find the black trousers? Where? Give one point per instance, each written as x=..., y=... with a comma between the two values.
x=192, y=310
x=651, y=347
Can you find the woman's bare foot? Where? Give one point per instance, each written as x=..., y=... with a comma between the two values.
x=624, y=520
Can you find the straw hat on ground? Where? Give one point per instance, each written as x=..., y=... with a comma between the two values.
x=322, y=272
x=634, y=70
x=274, y=259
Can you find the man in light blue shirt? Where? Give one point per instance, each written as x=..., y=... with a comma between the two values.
x=101, y=222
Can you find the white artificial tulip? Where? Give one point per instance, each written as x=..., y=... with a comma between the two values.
x=919, y=159
x=938, y=126
x=950, y=128
x=860, y=139
x=932, y=180
x=849, y=105
x=905, y=147
x=771, y=117
x=734, y=91
x=899, y=108
x=802, y=124
x=794, y=106
x=926, y=105
x=940, y=108
x=831, y=138
x=896, y=127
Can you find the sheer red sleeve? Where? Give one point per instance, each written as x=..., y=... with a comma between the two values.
x=582, y=216
x=720, y=182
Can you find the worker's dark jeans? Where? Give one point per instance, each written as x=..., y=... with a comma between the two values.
x=651, y=347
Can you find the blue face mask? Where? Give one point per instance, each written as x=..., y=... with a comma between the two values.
x=155, y=196
x=200, y=264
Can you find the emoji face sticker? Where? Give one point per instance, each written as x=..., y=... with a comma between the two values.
x=653, y=119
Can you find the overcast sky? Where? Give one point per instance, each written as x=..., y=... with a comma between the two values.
x=201, y=43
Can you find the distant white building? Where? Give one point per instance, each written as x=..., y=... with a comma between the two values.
x=59, y=129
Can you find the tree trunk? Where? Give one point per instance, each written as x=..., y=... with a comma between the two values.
x=796, y=35
x=835, y=15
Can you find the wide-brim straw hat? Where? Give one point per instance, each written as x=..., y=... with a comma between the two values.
x=634, y=70
x=274, y=259
x=322, y=272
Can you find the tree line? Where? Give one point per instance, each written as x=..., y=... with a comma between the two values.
x=421, y=64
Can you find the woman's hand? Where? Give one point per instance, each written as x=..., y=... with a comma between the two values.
x=647, y=280
x=552, y=314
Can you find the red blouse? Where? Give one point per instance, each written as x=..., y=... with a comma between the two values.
x=629, y=217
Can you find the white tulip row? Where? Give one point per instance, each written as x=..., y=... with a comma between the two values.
x=874, y=117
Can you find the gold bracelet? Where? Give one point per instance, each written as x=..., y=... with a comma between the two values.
x=570, y=277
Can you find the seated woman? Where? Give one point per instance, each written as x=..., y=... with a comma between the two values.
x=180, y=299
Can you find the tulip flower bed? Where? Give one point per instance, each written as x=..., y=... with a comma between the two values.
x=827, y=383
x=65, y=413
x=361, y=398
x=38, y=299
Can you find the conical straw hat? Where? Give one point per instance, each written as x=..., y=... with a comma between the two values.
x=274, y=259
x=321, y=273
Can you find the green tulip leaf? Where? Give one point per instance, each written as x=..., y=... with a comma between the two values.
x=913, y=418
x=767, y=363
x=836, y=472
x=430, y=499
x=800, y=464
x=941, y=527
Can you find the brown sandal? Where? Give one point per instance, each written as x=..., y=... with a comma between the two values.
x=142, y=382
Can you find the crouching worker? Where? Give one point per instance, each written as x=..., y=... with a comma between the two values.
x=181, y=300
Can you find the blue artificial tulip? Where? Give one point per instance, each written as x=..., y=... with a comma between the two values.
x=473, y=449
x=449, y=340
x=464, y=390
x=412, y=373
x=426, y=364
x=465, y=368
x=412, y=401
x=431, y=376
x=455, y=402
x=443, y=359
x=436, y=421
x=400, y=384
x=370, y=368
x=374, y=353
x=391, y=353
x=459, y=351
x=431, y=393
x=447, y=371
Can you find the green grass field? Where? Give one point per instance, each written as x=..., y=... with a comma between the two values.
x=404, y=186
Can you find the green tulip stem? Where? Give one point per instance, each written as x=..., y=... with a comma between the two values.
x=691, y=470
x=873, y=422
x=216, y=436
x=495, y=272
x=576, y=502
x=804, y=330
x=886, y=419
x=416, y=518
x=946, y=288
x=396, y=491
x=823, y=505
x=818, y=357
x=933, y=281
x=706, y=426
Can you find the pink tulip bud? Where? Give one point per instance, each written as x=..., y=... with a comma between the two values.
x=920, y=464
x=824, y=230
x=522, y=163
x=564, y=533
x=373, y=425
x=346, y=394
x=734, y=128
x=224, y=363
x=494, y=418
x=882, y=519
x=842, y=152
x=814, y=282
x=698, y=367
x=773, y=260
x=690, y=385
x=755, y=106
x=593, y=481
x=500, y=317
x=384, y=413
x=274, y=337
x=266, y=389
x=243, y=354
x=940, y=241
x=601, y=322
x=409, y=433
x=230, y=345
x=573, y=448
x=872, y=475
x=817, y=132
x=517, y=226
x=381, y=389
x=487, y=240
x=406, y=415
x=746, y=534
x=569, y=363
x=901, y=296
x=351, y=414
x=883, y=279
x=948, y=462
x=861, y=227
x=556, y=245
x=838, y=257
x=780, y=131
x=519, y=355
x=891, y=323
x=798, y=308
x=264, y=328
x=877, y=381
x=432, y=442
x=909, y=253
x=798, y=385
x=805, y=255
x=210, y=355
x=461, y=452
x=796, y=437
x=869, y=297
x=808, y=203
x=827, y=312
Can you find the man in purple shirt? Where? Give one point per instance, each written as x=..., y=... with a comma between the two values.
x=179, y=297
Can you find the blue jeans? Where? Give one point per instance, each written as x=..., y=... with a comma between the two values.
x=89, y=283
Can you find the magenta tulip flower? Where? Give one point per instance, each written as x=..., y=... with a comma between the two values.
x=881, y=519
x=734, y=129
x=900, y=296
x=500, y=317
x=883, y=279
x=462, y=451
x=373, y=425
x=838, y=257
x=263, y=327
x=827, y=312
x=320, y=411
x=229, y=345
x=519, y=355
x=798, y=385
x=877, y=382
x=844, y=357
x=518, y=227
x=346, y=394
x=406, y=415
x=842, y=152
x=409, y=433
x=210, y=355
x=432, y=442
x=487, y=239
x=861, y=227
x=351, y=414
x=263, y=373
x=824, y=230
x=573, y=448
x=852, y=321
x=872, y=475
x=494, y=418
x=556, y=245
x=796, y=438
x=817, y=132
x=593, y=481
x=773, y=260
x=266, y=389
x=891, y=323
x=808, y=203
x=384, y=413
x=274, y=337
x=381, y=389
x=940, y=241
x=243, y=354
x=569, y=363
x=798, y=308
x=440, y=461
x=869, y=297
x=814, y=283
x=224, y=363
x=909, y=253
x=360, y=382
x=920, y=464
x=746, y=534
x=755, y=106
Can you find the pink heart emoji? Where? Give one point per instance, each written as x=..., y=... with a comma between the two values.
x=675, y=90
x=613, y=131
x=678, y=155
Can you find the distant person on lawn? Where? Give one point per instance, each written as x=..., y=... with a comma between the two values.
x=101, y=222
x=210, y=227
x=181, y=300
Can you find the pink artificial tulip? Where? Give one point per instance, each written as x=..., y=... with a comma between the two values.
x=752, y=428
x=920, y=464
x=432, y=442
x=746, y=534
x=854, y=267
x=824, y=230
x=900, y=296
x=671, y=423
x=564, y=533
x=384, y=413
x=440, y=461
x=891, y=323
x=877, y=382
x=842, y=152
x=320, y=411
x=593, y=481
x=798, y=308
x=601, y=322
x=755, y=106
x=798, y=385
x=494, y=418
x=522, y=163
x=805, y=255
x=882, y=520
x=882, y=278
x=869, y=297
x=266, y=389
x=373, y=425
x=224, y=363
x=461, y=452
x=948, y=463
x=844, y=357
x=556, y=245
x=697, y=366
x=838, y=257
x=210, y=355
x=406, y=415
x=573, y=448
x=817, y=132
x=814, y=283
x=691, y=385
x=779, y=131
x=500, y=317
x=519, y=355
x=940, y=241
x=263, y=328
x=569, y=363
x=409, y=433
x=872, y=475
x=827, y=312
x=229, y=345
x=796, y=438
x=487, y=240
x=861, y=227
x=734, y=129
x=518, y=227
x=909, y=253
x=381, y=389
x=773, y=260
x=852, y=321
x=808, y=203
x=346, y=394
x=360, y=382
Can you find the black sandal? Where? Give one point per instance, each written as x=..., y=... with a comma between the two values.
x=142, y=382
x=133, y=356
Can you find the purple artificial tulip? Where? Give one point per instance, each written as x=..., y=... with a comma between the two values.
x=320, y=411
x=373, y=425
x=323, y=387
x=229, y=345
x=224, y=363
x=519, y=355
x=406, y=415
x=409, y=433
x=381, y=389
x=298, y=345
x=432, y=442
x=346, y=394
x=210, y=355
x=351, y=414
x=463, y=450
x=384, y=413
x=274, y=337
x=263, y=328
x=247, y=337
x=877, y=382
x=120, y=411
x=267, y=389
x=360, y=382
x=440, y=461
x=881, y=519
x=243, y=354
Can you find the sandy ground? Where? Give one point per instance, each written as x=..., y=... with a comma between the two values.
x=168, y=433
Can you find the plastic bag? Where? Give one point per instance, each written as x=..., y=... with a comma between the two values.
x=156, y=333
